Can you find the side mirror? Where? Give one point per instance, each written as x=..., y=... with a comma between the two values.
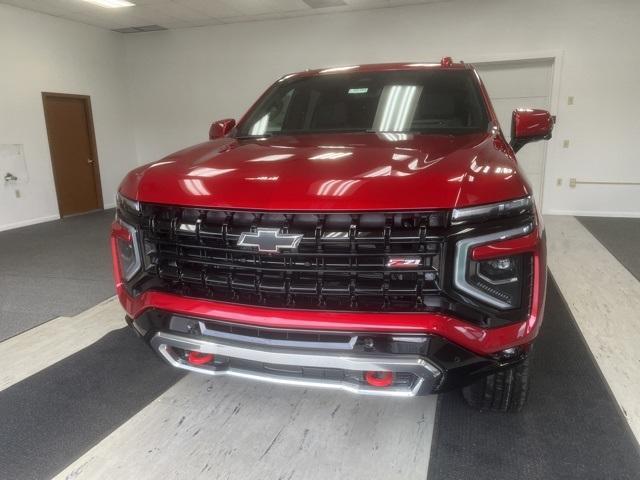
x=530, y=125
x=220, y=128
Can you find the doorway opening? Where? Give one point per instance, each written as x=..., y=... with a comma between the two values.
x=515, y=84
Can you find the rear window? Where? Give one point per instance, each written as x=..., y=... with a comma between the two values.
x=440, y=101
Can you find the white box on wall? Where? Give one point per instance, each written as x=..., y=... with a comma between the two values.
x=13, y=166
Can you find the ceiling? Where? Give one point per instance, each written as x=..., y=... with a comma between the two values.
x=194, y=13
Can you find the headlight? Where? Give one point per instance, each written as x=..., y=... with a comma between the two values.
x=496, y=281
x=124, y=204
x=481, y=213
x=128, y=251
x=500, y=279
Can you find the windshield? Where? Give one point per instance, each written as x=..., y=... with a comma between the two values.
x=398, y=101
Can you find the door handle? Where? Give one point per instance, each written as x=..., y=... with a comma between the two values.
x=90, y=161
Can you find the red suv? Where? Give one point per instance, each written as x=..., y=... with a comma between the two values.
x=361, y=228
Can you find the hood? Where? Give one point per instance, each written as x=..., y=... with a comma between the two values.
x=334, y=172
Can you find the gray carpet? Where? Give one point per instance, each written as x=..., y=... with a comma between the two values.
x=621, y=236
x=53, y=269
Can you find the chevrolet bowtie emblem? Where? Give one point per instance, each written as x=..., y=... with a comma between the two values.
x=269, y=240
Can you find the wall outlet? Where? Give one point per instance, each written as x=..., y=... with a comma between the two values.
x=570, y=101
x=572, y=182
x=559, y=182
x=18, y=193
x=565, y=144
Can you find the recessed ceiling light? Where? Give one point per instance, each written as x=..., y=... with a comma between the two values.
x=111, y=3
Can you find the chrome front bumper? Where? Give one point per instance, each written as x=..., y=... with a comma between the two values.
x=285, y=365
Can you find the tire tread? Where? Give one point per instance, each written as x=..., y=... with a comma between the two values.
x=503, y=391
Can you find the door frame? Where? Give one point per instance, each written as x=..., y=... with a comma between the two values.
x=86, y=99
x=556, y=58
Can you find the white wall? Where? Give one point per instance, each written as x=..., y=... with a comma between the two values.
x=42, y=53
x=172, y=84
x=181, y=80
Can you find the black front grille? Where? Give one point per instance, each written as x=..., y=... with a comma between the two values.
x=340, y=263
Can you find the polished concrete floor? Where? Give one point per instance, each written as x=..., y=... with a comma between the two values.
x=83, y=398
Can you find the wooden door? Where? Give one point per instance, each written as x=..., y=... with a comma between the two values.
x=73, y=152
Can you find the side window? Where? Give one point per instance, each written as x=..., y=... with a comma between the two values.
x=278, y=112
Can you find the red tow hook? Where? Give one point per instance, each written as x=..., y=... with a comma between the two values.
x=197, y=358
x=379, y=379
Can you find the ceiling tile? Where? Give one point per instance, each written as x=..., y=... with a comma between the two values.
x=66, y=5
x=151, y=14
x=289, y=5
x=102, y=22
x=37, y=5
x=149, y=2
x=316, y=4
x=172, y=10
x=210, y=8
x=250, y=7
x=189, y=13
x=400, y=3
x=363, y=4
x=204, y=21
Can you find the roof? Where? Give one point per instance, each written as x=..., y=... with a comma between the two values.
x=444, y=64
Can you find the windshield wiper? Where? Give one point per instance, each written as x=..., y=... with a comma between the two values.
x=249, y=137
x=303, y=132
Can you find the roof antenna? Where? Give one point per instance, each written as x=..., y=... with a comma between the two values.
x=446, y=62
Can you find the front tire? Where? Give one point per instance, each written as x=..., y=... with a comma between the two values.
x=503, y=391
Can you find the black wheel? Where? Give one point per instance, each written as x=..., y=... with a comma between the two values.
x=504, y=391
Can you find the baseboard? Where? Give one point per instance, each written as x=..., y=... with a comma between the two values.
x=598, y=213
x=26, y=223
x=109, y=205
